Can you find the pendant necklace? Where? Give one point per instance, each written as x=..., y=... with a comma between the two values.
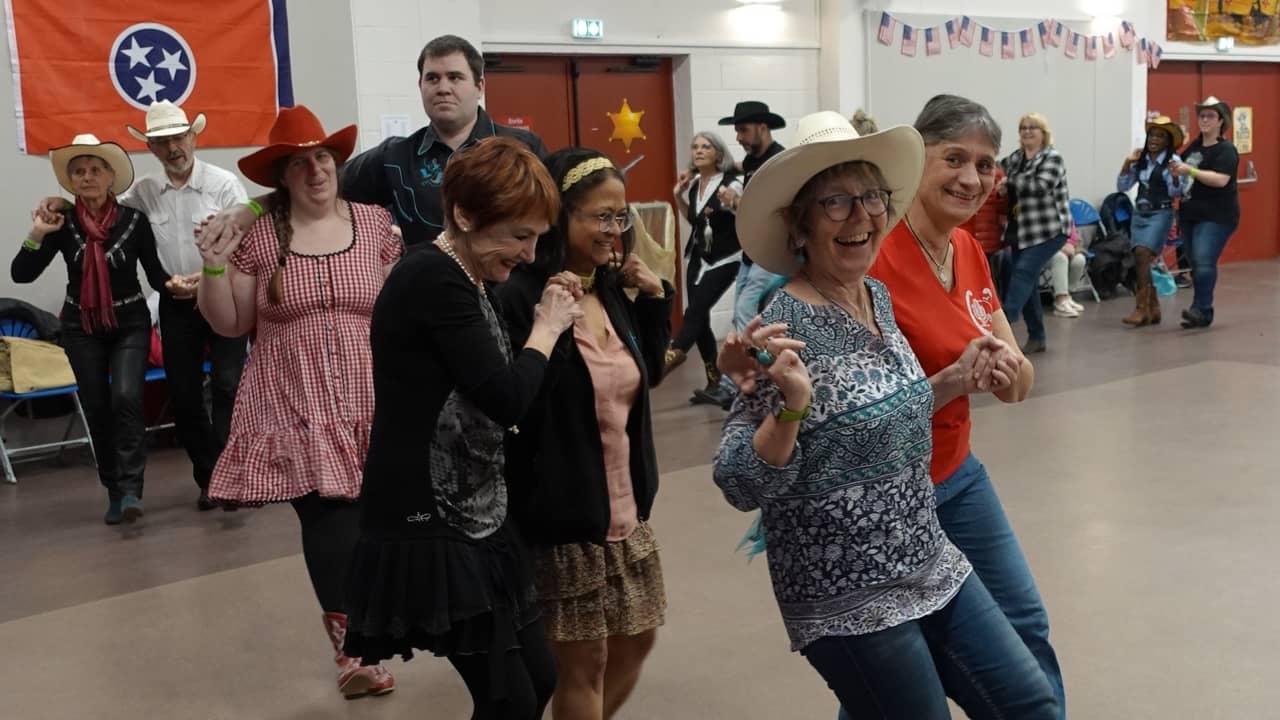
x=939, y=267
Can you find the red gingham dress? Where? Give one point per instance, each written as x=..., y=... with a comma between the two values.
x=305, y=404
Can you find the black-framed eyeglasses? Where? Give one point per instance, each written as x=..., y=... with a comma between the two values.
x=839, y=207
x=623, y=220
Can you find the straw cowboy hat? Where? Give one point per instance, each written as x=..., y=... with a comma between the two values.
x=109, y=152
x=165, y=119
x=823, y=140
x=754, y=111
x=1166, y=123
x=296, y=128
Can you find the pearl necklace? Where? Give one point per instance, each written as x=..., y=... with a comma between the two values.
x=445, y=244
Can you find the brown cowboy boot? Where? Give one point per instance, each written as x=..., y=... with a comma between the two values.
x=1142, y=308
x=1153, y=305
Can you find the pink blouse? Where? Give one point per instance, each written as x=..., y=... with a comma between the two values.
x=617, y=380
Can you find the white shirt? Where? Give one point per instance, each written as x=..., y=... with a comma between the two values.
x=175, y=213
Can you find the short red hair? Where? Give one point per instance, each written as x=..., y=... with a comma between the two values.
x=498, y=179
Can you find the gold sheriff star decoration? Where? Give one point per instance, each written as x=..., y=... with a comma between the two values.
x=626, y=125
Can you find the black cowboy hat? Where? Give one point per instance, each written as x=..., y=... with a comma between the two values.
x=754, y=111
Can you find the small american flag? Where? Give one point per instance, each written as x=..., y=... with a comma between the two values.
x=1006, y=45
x=1091, y=48
x=1043, y=29
x=932, y=43
x=1028, y=47
x=953, y=33
x=1140, y=52
x=1156, y=54
x=1056, y=32
x=908, y=40
x=984, y=41
x=966, y=31
x=1108, y=46
x=1073, y=45
x=1126, y=34
x=887, y=26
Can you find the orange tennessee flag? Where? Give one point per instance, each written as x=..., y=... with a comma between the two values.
x=94, y=66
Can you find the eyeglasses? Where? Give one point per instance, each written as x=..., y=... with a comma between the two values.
x=1024, y=128
x=608, y=221
x=840, y=206
x=1210, y=115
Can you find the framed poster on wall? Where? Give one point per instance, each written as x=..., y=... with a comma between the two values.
x=1242, y=130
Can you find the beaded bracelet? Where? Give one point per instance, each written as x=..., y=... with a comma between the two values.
x=214, y=272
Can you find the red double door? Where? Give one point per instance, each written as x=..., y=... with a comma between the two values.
x=1176, y=87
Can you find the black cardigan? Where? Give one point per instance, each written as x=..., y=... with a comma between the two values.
x=130, y=242
x=724, y=224
x=555, y=465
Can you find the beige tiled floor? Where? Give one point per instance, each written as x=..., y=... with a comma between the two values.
x=1141, y=480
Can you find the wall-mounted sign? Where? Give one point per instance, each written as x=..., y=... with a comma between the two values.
x=587, y=29
x=1242, y=129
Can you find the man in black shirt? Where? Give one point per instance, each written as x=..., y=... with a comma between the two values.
x=403, y=174
x=754, y=125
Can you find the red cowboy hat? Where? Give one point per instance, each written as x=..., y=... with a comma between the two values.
x=296, y=128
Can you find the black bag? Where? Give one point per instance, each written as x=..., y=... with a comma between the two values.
x=1112, y=263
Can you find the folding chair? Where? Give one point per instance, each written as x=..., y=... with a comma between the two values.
x=9, y=454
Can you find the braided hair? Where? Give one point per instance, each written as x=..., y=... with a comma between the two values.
x=280, y=207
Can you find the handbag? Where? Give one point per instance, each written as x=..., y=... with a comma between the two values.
x=1163, y=282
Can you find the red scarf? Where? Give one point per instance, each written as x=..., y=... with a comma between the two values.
x=96, y=309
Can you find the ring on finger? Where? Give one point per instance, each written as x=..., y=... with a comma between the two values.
x=760, y=355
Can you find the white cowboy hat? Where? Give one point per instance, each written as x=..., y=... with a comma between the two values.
x=165, y=119
x=109, y=152
x=824, y=139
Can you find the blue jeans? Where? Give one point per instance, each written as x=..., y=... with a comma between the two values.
x=1151, y=229
x=965, y=650
x=751, y=283
x=1023, y=295
x=1206, y=241
x=971, y=515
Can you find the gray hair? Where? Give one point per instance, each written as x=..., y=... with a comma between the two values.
x=726, y=163
x=951, y=117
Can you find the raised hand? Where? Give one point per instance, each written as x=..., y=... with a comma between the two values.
x=635, y=274
x=569, y=281
x=44, y=222
x=737, y=359
x=217, y=248
x=557, y=310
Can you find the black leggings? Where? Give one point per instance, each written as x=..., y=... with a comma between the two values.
x=702, y=297
x=330, y=529
x=529, y=680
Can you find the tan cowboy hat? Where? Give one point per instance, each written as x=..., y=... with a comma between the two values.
x=109, y=152
x=1223, y=110
x=296, y=128
x=165, y=119
x=1166, y=123
x=824, y=139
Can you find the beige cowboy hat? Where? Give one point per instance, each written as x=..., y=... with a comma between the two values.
x=165, y=119
x=109, y=152
x=1166, y=123
x=1223, y=109
x=823, y=140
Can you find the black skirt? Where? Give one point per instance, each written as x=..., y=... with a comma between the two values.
x=442, y=592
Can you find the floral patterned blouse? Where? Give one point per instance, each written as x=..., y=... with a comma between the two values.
x=853, y=541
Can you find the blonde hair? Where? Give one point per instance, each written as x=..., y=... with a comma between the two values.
x=863, y=123
x=1039, y=121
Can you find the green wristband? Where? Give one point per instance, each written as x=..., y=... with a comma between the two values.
x=30, y=244
x=258, y=210
x=213, y=272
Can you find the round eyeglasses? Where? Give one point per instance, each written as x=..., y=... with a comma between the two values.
x=623, y=221
x=839, y=207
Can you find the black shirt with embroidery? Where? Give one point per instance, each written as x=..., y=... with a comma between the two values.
x=130, y=242
x=404, y=174
x=752, y=163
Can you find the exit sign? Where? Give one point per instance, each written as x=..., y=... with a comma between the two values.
x=588, y=29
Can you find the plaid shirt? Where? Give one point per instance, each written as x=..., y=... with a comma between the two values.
x=1040, y=187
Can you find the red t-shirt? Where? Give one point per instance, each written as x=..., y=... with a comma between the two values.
x=939, y=324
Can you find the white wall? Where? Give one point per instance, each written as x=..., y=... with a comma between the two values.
x=323, y=79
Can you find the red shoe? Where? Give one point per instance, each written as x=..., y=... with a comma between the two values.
x=355, y=680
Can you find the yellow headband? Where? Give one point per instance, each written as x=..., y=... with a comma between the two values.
x=583, y=169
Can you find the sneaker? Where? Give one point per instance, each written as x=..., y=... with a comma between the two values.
x=1064, y=310
x=1078, y=307
x=131, y=508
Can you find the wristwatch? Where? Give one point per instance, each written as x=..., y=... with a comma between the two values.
x=786, y=414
